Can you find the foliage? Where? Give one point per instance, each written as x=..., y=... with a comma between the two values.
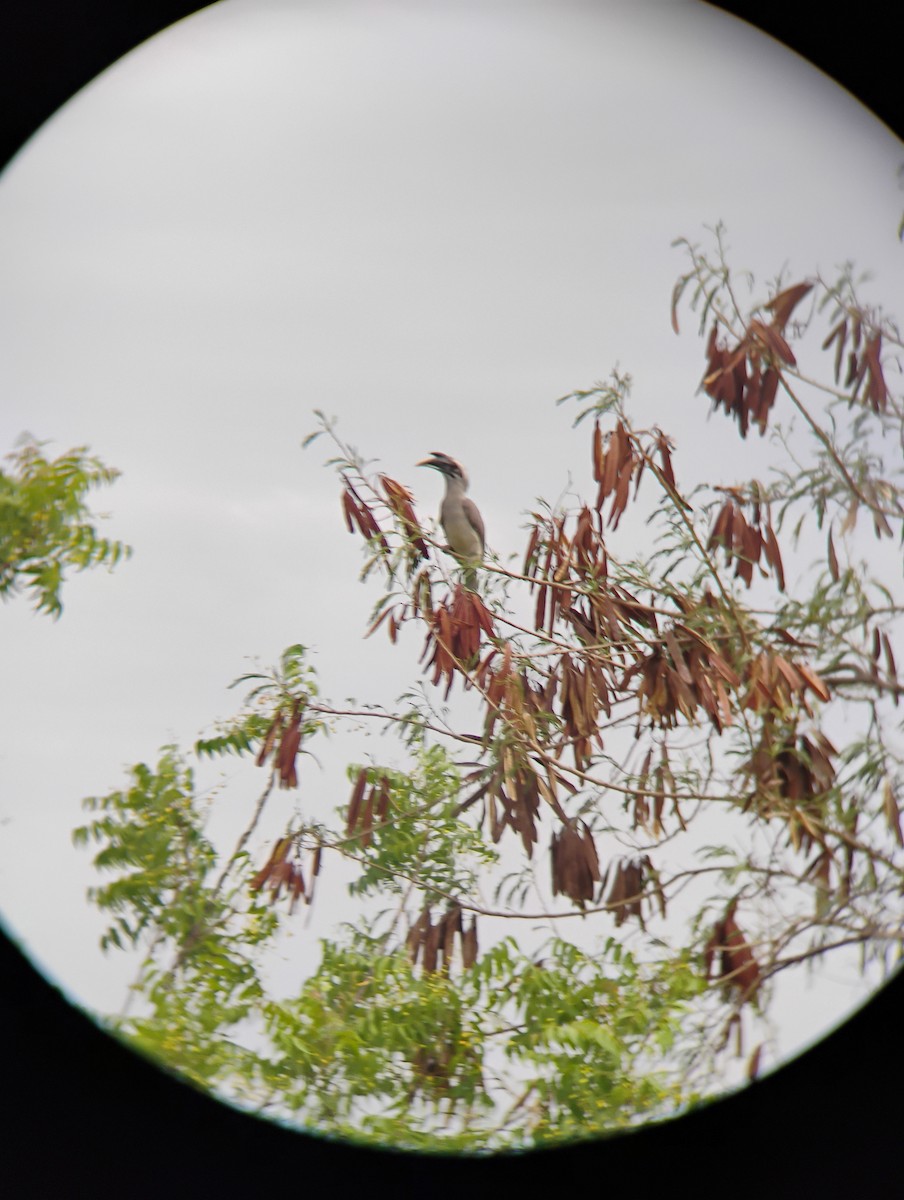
x=721, y=707
x=371, y=1047
x=168, y=894
x=45, y=525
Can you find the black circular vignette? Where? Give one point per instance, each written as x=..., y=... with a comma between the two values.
x=84, y=1115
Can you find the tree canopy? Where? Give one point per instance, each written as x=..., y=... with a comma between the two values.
x=628, y=792
x=46, y=525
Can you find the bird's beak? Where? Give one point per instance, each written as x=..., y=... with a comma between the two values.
x=426, y=462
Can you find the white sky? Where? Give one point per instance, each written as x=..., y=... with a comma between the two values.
x=429, y=220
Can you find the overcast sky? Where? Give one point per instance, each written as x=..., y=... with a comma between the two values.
x=429, y=220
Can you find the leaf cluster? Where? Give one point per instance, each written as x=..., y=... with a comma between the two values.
x=46, y=525
x=703, y=734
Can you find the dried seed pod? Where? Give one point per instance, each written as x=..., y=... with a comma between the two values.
x=737, y=969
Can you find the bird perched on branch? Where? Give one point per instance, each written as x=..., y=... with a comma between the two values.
x=459, y=516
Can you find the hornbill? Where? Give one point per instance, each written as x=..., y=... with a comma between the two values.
x=459, y=516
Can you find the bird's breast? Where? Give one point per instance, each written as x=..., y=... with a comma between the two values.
x=461, y=535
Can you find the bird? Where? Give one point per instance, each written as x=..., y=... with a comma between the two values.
x=459, y=516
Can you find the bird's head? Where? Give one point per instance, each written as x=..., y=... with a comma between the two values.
x=446, y=465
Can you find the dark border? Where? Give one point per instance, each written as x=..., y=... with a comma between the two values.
x=83, y=1115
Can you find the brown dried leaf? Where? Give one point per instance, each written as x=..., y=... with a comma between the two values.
x=766, y=397
x=880, y=524
x=357, y=511
x=622, y=489
x=354, y=804
x=533, y=541
x=677, y=654
x=350, y=511
x=877, y=643
x=270, y=737
x=469, y=946
x=375, y=625
x=676, y=296
x=814, y=682
x=451, y=923
x=481, y=612
x=890, y=663
x=839, y=333
x=774, y=555
x=297, y=887
x=289, y=745
x=748, y=553
x=663, y=445
x=753, y=1063
x=773, y=341
x=721, y=533
x=367, y=819
x=610, y=469
x=401, y=502
x=277, y=857
x=742, y=970
x=737, y=966
x=877, y=391
x=597, y=452
x=575, y=866
x=857, y=329
x=790, y=673
x=590, y=855
x=832, y=557
x=625, y=888
x=782, y=305
x=431, y=941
